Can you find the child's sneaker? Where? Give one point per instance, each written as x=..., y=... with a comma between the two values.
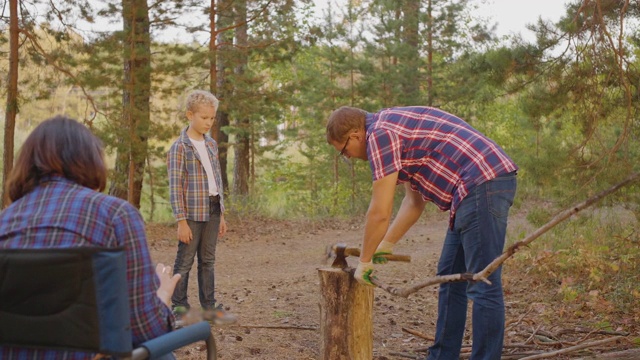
x=179, y=313
x=218, y=315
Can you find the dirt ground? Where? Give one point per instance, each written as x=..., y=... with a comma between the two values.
x=266, y=274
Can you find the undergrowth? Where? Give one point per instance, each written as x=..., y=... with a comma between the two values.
x=589, y=265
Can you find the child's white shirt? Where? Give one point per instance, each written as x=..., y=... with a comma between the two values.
x=201, y=147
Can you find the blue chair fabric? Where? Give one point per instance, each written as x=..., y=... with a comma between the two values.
x=77, y=299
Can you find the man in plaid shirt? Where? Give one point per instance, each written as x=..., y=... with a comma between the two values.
x=440, y=158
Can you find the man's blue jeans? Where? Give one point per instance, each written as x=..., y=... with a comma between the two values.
x=477, y=238
x=203, y=244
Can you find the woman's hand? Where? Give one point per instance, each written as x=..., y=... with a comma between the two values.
x=168, y=283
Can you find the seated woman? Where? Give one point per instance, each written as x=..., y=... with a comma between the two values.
x=55, y=188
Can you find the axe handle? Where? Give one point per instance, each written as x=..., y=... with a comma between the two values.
x=394, y=257
x=353, y=251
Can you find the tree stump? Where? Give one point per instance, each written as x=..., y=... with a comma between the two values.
x=346, y=308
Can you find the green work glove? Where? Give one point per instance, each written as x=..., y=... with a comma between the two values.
x=363, y=273
x=385, y=248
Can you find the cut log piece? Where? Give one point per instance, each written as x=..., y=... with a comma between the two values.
x=346, y=327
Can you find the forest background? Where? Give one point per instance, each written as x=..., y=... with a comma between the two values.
x=564, y=107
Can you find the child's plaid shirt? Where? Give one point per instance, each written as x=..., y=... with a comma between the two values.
x=188, y=187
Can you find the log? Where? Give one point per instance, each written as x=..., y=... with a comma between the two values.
x=346, y=323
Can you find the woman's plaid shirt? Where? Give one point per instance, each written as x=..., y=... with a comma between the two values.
x=59, y=213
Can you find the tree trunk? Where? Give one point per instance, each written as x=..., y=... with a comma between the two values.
x=12, y=99
x=136, y=94
x=430, y=31
x=411, y=55
x=220, y=18
x=241, y=164
x=346, y=308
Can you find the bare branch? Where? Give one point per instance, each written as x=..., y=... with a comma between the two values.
x=572, y=348
x=242, y=23
x=278, y=327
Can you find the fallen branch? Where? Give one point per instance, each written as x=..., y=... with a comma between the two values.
x=495, y=264
x=631, y=354
x=405, y=355
x=503, y=357
x=418, y=334
x=591, y=332
x=519, y=346
x=280, y=327
x=572, y=348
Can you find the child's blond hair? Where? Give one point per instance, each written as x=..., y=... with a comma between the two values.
x=197, y=97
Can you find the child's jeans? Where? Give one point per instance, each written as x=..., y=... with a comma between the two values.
x=202, y=245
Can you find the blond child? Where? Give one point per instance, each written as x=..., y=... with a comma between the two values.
x=196, y=193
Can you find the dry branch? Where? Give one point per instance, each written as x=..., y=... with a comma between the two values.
x=404, y=355
x=493, y=266
x=418, y=334
x=590, y=332
x=572, y=348
x=278, y=327
x=631, y=354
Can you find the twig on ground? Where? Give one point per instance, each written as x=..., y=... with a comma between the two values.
x=516, y=322
x=405, y=355
x=418, y=334
x=572, y=348
x=630, y=354
x=519, y=346
x=279, y=327
x=590, y=332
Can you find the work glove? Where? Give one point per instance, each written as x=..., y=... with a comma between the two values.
x=363, y=273
x=384, y=248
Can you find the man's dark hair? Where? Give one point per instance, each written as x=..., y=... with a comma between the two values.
x=342, y=121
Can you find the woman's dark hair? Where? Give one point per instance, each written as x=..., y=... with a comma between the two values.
x=58, y=146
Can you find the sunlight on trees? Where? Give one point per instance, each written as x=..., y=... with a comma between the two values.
x=565, y=106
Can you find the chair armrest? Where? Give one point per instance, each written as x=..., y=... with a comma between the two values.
x=176, y=339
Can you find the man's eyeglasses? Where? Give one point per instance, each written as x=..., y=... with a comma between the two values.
x=344, y=148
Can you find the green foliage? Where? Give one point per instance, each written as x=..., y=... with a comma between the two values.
x=155, y=205
x=297, y=186
x=565, y=117
x=592, y=261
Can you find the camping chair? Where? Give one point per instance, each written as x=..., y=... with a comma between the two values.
x=77, y=299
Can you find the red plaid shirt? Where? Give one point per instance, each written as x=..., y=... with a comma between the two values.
x=441, y=155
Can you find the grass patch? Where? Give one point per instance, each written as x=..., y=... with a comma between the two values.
x=281, y=314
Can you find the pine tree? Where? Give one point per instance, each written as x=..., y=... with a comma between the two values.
x=132, y=154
